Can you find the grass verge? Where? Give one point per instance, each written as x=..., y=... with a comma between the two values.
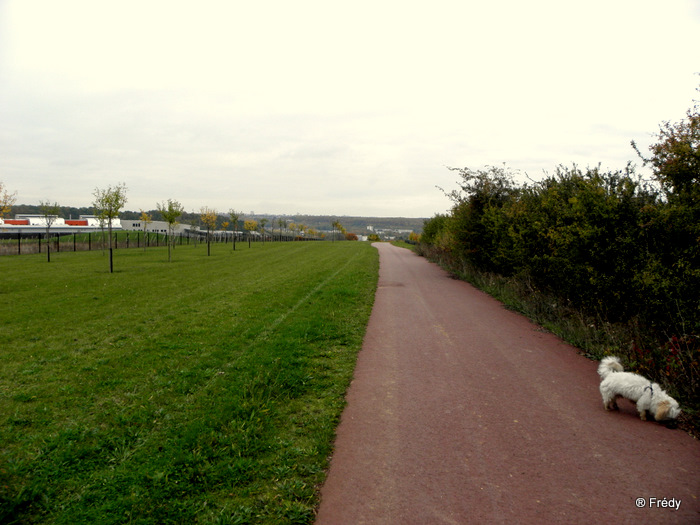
x=206, y=390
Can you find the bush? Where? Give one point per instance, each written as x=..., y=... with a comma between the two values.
x=617, y=249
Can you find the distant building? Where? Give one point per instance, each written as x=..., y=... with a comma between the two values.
x=156, y=226
x=34, y=223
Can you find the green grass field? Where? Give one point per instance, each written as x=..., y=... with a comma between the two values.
x=206, y=390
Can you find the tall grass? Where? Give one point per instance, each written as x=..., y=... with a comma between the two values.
x=205, y=390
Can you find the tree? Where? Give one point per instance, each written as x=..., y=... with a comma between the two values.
x=50, y=212
x=209, y=217
x=235, y=216
x=282, y=223
x=675, y=158
x=171, y=211
x=337, y=227
x=7, y=200
x=194, y=226
x=251, y=226
x=145, y=219
x=263, y=223
x=107, y=205
x=273, y=223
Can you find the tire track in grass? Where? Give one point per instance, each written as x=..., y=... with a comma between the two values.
x=279, y=320
x=191, y=398
x=304, y=299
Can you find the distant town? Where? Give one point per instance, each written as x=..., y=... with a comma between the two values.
x=29, y=219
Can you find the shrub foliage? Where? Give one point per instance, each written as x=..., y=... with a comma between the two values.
x=609, y=245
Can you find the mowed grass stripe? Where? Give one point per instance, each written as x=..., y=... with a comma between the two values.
x=203, y=390
x=308, y=296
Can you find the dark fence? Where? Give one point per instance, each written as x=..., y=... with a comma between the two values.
x=28, y=243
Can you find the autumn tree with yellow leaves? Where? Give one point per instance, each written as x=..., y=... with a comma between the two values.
x=7, y=200
x=250, y=226
x=209, y=217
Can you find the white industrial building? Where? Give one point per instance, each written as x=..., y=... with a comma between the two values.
x=156, y=226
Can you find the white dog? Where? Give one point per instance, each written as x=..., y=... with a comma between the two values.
x=648, y=396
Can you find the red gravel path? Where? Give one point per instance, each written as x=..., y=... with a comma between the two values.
x=461, y=411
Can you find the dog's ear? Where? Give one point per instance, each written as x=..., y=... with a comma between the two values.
x=662, y=410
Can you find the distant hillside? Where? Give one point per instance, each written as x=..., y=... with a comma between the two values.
x=358, y=225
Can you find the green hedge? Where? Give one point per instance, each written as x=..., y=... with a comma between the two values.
x=611, y=246
x=607, y=244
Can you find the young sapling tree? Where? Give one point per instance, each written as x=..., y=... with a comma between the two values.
x=209, y=217
x=171, y=211
x=50, y=212
x=108, y=203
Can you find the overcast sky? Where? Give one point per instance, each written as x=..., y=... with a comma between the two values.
x=325, y=107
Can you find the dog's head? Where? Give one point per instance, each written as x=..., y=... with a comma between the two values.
x=667, y=409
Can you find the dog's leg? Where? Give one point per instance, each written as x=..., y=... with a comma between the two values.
x=610, y=404
x=643, y=408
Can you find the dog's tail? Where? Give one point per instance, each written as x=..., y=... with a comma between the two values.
x=609, y=364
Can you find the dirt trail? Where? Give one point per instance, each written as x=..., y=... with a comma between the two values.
x=461, y=411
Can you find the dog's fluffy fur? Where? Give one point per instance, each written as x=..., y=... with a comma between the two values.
x=648, y=396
